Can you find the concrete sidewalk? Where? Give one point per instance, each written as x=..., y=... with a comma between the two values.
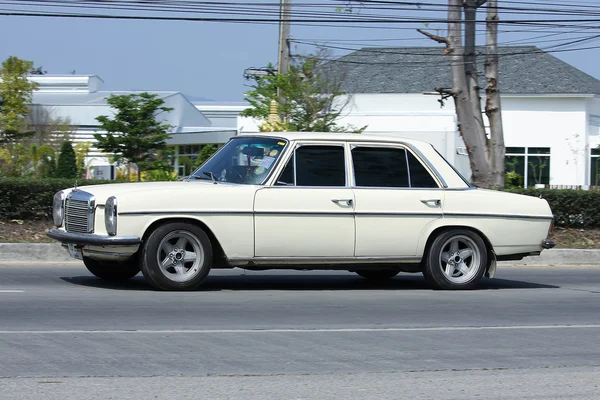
x=53, y=253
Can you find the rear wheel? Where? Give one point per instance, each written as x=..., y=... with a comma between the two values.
x=176, y=256
x=456, y=260
x=113, y=271
x=377, y=274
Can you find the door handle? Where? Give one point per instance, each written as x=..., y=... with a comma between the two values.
x=435, y=202
x=348, y=202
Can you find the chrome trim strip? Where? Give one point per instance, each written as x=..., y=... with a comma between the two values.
x=96, y=240
x=323, y=260
x=178, y=212
x=393, y=213
x=512, y=216
x=331, y=213
x=349, y=212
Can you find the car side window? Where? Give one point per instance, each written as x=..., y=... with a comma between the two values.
x=315, y=165
x=287, y=176
x=380, y=167
x=389, y=167
x=419, y=176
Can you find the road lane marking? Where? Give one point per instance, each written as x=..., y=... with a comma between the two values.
x=11, y=291
x=332, y=330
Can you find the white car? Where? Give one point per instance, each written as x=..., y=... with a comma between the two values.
x=371, y=205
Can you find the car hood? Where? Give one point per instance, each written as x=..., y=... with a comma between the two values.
x=156, y=196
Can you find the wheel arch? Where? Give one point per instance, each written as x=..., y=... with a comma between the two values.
x=218, y=252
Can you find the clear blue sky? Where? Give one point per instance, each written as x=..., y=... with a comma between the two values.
x=207, y=59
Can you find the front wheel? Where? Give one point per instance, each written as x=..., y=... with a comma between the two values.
x=456, y=260
x=176, y=256
x=112, y=271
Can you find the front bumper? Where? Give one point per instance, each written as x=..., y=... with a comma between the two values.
x=98, y=247
x=92, y=240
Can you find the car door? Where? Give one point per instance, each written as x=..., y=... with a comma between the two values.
x=309, y=211
x=396, y=198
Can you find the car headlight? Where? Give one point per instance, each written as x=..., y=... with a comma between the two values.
x=58, y=208
x=110, y=216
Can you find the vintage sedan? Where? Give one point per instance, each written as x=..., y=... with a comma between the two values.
x=367, y=204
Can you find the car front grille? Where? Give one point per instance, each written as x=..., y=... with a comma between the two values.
x=79, y=212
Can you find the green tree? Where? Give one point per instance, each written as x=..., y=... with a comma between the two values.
x=15, y=95
x=313, y=101
x=67, y=162
x=134, y=134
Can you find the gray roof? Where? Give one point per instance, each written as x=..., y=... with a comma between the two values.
x=522, y=70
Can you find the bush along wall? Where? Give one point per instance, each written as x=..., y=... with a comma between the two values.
x=571, y=208
x=29, y=199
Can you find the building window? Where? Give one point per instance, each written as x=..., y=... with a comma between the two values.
x=527, y=166
x=595, y=167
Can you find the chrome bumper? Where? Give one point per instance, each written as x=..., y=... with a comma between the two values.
x=98, y=247
x=92, y=240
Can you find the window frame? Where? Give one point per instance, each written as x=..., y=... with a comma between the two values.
x=407, y=150
x=591, y=158
x=292, y=154
x=526, y=154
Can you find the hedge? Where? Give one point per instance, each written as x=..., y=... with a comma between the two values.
x=32, y=200
x=571, y=208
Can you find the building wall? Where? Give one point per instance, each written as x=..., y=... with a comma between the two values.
x=559, y=123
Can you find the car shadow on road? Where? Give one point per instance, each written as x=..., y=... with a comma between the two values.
x=302, y=282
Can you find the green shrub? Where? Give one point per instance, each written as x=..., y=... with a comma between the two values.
x=571, y=208
x=31, y=199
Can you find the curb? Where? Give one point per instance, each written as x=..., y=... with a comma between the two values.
x=40, y=253
x=53, y=253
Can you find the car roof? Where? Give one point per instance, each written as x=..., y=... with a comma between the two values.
x=342, y=136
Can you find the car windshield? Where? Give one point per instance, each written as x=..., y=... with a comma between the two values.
x=247, y=160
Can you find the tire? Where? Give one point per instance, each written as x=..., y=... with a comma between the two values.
x=456, y=260
x=176, y=256
x=112, y=271
x=377, y=274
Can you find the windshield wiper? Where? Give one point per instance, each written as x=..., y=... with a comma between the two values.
x=212, y=176
x=209, y=176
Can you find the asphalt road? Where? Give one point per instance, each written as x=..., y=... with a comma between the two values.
x=531, y=333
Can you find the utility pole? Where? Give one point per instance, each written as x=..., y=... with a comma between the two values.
x=283, y=61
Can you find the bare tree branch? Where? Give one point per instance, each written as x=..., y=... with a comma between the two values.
x=437, y=38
